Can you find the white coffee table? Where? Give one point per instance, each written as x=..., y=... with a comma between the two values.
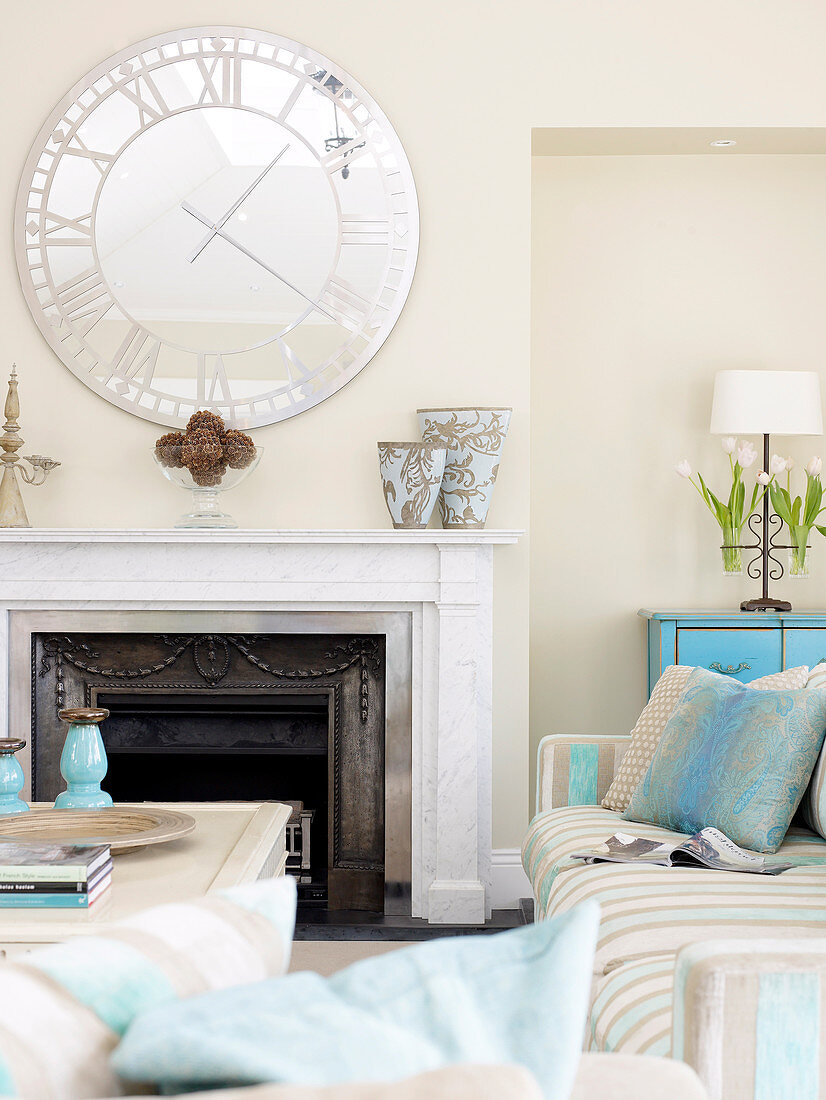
x=233, y=843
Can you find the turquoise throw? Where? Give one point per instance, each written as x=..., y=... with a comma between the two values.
x=734, y=758
x=515, y=997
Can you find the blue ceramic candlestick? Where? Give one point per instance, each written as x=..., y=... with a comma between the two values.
x=83, y=761
x=11, y=777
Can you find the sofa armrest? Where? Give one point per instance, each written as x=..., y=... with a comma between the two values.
x=635, y=1077
x=749, y=1016
x=576, y=770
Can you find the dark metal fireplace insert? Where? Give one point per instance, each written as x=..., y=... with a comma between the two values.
x=209, y=717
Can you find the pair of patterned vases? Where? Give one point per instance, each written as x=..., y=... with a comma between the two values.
x=456, y=463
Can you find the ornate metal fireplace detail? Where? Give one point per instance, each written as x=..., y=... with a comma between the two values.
x=205, y=716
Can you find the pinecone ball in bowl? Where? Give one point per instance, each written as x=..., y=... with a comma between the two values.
x=168, y=449
x=239, y=449
x=204, y=419
x=201, y=450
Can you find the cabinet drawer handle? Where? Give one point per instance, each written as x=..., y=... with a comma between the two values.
x=731, y=670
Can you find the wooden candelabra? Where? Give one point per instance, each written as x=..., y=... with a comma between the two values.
x=12, y=508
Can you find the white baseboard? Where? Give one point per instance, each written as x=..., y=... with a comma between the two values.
x=509, y=882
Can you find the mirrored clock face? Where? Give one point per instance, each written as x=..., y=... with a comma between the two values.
x=216, y=218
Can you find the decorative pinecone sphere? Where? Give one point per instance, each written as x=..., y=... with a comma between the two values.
x=201, y=450
x=239, y=449
x=168, y=449
x=207, y=479
x=204, y=419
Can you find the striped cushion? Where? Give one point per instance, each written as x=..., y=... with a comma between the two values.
x=813, y=806
x=646, y=735
x=72, y=1002
x=576, y=771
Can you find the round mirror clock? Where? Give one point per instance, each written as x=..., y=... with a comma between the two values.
x=216, y=218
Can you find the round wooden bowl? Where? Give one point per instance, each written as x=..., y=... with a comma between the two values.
x=123, y=828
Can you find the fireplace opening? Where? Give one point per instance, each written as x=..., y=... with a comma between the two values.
x=288, y=718
x=163, y=748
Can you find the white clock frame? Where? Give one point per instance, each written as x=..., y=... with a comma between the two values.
x=77, y=306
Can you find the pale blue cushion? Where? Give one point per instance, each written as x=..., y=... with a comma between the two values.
x=73, y=1000
x=515, y=997
x=733, y=758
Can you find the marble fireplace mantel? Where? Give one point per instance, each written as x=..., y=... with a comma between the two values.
x=434, y=587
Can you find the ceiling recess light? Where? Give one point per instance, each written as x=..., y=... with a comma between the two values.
x=124, y=175
x=254, y=288
x=118, y=283
x=242, y=217
x=722, y=143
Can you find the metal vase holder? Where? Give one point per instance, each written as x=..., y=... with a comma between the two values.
x=765, y=565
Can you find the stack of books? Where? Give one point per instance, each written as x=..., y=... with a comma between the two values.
x=53, y=876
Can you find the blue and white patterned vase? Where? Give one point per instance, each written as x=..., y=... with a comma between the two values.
x=474, y=439
x=83, y=761
x=11, y=777
x=411, y=474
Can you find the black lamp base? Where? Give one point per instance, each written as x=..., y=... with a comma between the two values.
x=765, y=605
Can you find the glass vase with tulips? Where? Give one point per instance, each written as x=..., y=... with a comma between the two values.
x=801, y=513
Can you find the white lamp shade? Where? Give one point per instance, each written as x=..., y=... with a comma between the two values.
x=766, y=402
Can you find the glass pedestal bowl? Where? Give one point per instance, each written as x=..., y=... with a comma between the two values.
x=206, y=508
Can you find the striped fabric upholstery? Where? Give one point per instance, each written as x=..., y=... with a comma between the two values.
x=65, y=1008
x=650, y=913
x=576, y=771
x=749, y=1016
x=632, y=1007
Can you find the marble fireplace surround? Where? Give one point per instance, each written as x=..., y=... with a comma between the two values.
x=429, y=592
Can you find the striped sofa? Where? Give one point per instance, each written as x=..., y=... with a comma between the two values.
x=721, y=970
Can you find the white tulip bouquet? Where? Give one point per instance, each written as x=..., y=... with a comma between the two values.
x=732, y=516
x=800, y=514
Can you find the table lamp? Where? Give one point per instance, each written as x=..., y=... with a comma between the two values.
x=766, y=402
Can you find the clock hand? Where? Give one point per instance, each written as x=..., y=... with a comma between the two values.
x=217, y=231
x=194, y=255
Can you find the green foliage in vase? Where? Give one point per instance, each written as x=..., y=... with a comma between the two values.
x=800, y=514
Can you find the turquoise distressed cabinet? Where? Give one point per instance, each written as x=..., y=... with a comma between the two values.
x=739, y=644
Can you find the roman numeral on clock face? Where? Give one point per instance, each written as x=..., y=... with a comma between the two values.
x=143, y=92
x=221, y=77
x=59, y=230
x=212, y=383
x=348, y=307
x=137, y=356
x=345, y=154
x=296, y=371
x=78, y=148
x=365, y=231
x=82, y=300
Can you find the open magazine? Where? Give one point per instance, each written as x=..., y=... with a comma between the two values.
x=708, y=848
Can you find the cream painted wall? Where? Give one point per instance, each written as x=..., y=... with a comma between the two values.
x=463, y=82
x=649, y=274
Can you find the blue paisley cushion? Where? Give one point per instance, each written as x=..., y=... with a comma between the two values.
x=733, y=758
x=813, y=806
